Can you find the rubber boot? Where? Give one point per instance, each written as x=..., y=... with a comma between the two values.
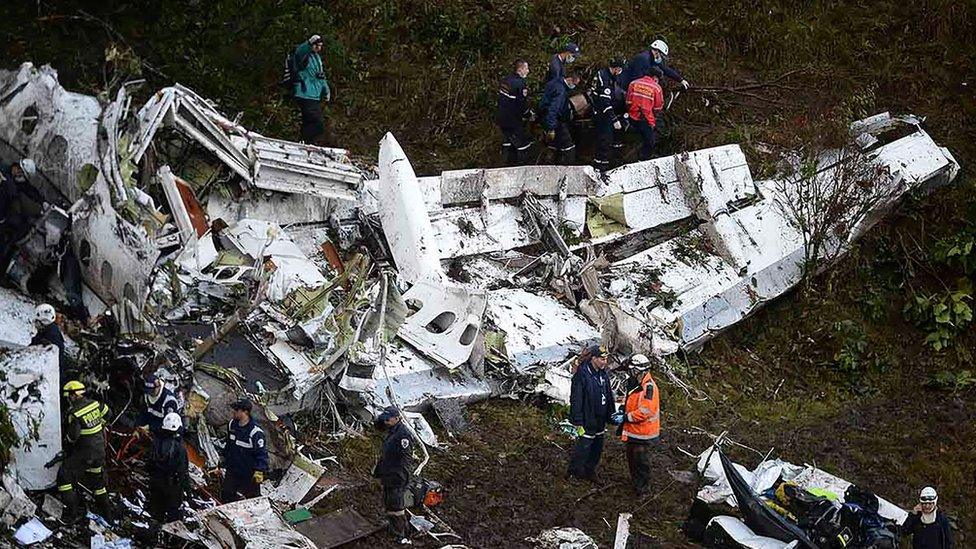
x=72, y=507
x=103, y=506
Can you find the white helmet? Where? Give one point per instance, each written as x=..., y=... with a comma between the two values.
x=172, y=422
x=640, y=360
x=44, y=314
x=29, y=167
x=928, y=495
x=661, y=46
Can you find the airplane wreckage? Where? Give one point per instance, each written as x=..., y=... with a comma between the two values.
x=228, y=262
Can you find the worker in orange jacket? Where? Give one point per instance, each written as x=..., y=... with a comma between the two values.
x=642, y=421
x=645, y=100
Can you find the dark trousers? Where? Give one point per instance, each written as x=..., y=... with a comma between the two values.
x=586, y=456
x=563, y=144
x=395, y=504
x=603, y=127
x=238, y=486
x=516, y=145
x=165, y=499
x=648, y=138
x=639, y=463
x=313, y=121
x=89, y=471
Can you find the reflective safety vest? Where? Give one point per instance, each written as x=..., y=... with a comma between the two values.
x=85, y=422
x=643, y=411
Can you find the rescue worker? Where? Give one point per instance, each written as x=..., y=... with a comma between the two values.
x=393, y=470
x=48, y=333
x=928, y=527
x=645, y=100
x=557, y=64
x=169, y=477
x=160, y=401
x=641, y=425
x=84, y=447
x=654, y=56
x=311, y=88
x=557, y=115
x=591, y=408
x=245, y=455
x=513, y=112
x=608, y=105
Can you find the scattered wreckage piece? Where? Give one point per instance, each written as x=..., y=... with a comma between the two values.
x=725, y=531
x=300, y=477
x=31, y=392
x=562, y=538
x=14, y=503
x=297, y=168
x=480, y=185
x=337, y=528
x=252, y=523
x=444, y=321
x=16, y=319
x=56, y=128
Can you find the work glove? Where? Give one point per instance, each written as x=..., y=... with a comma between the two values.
x=617, y=125
x=314, y=38
x=258, y=477
x=580, y=431
x=686, y=84
x=550, y=137
x=617, y=418
x=142, y=431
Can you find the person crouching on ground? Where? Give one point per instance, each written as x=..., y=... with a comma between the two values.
x=590, y=409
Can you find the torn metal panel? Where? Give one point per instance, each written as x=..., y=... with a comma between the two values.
x=177, y=208
x=723, y=530
x=415, y=379
x=450, y=412
x=446, y=321
x=116, y=257
x=714, y=179
x=538, y=328
x=299, y=479
x=293, y=270
x=150, y=117
x=303, y=374
x=404, y=216
x=252, y=523
x=30, y=388
x=56, y=128
x=467, y=186
x=40, y=247
x=303, y=169
x=281, y=208
x=337, y=528
x=14, y=503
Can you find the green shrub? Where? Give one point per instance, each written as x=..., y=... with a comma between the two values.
x=942, y=316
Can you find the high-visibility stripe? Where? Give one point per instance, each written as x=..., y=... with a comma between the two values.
x=630, y=434
x=100, y=491
x=65, y=488
x=94, y=470
x=529, y=144
x=91, y=406
x=500, y=92
x=93, y=430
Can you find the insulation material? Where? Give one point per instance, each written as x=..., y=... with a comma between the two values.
x=30, y=389
x=251, y=523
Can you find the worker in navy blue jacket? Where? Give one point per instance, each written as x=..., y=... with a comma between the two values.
x=245, y=455
x=160, y=400
x=657, y=56
x=393, y=470
x=608, y=106
x=591, y=408
x=513, y=112
x=557, y=64
x=557, y=115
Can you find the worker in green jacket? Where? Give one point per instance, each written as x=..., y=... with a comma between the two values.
x=310, y=88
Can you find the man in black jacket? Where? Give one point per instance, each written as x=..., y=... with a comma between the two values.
x=929, y=527
x=591, y=407
x=393, y=470
x=169, y=477
x=513, y=111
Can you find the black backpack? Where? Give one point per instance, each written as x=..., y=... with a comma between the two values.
x=289, y=75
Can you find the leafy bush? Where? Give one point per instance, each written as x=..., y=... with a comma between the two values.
x=943, y=315
x=8, y=436
x=955, y=381
x=853, y=346
x=957, y=251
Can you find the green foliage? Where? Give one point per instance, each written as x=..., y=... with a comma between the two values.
x=853, y=346
x=958, y=251
x=942, y=316
x=8, y=436
x=954, y=381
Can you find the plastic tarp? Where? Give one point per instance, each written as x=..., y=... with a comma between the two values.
x=758, y=516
